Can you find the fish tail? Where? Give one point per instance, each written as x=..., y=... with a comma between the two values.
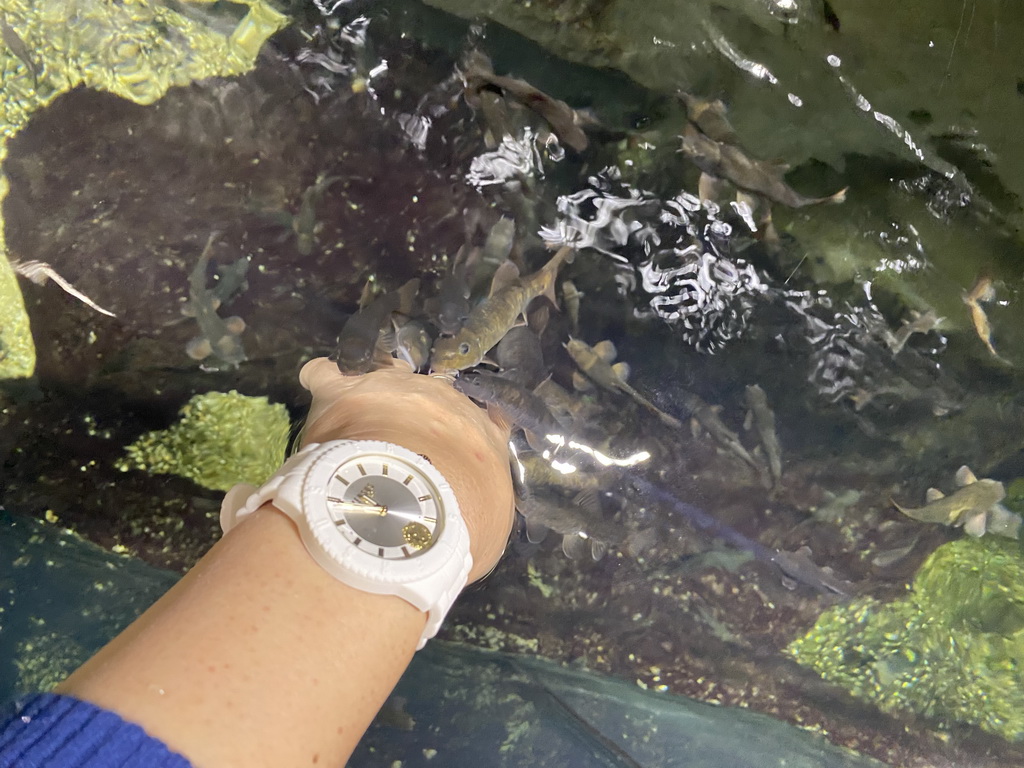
x=838, y=197
x=565, y=255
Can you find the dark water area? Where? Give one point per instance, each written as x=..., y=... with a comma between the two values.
x=370, y=145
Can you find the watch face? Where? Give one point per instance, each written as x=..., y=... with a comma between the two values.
x=385, y=506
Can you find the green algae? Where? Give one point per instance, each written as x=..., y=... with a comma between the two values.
x=136, y=49
x=222, y=438
x=952, y=649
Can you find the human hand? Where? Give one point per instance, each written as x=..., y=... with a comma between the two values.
x=426, y=415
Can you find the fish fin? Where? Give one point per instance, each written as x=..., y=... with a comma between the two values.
x=504, y=276
x=499, y=417
x=710, y=188
x=537, y=320
x=535, y=532
x=581, y=383
x=748, y=421
x=622, y=371
x=368, y=294
x=933, y=494
x=964, y=476
x=387, y=341
x=535, y=441
x=606, y=350
x=588, y=500
x=598, y=549
x=407, y=295
x=974, y=523
x=838, y=197
x=574, y=546
x=199, y=348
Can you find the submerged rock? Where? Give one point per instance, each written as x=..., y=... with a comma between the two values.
x=223, y=438
x=950, y=650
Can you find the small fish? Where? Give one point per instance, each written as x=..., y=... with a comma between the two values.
x=708, y=418
x=491, y=319
x=799, y=567
x=969, y=506
x=219, y=337
x=571, y=298
x=710, y=118
x=304, y=223
x=918, y=323
x=794, y=565
x=982, y=291
x=520, y=405
x=566, y=407
x=17, y=45
x=602, y=373
x=580, y=522
x=450, y=308
x=497, y=250
x=539, y=472
x=521, y=358
x=764, y=421
x=412, y=343
x=356, y=352
x=727, y=161
x=563, y=119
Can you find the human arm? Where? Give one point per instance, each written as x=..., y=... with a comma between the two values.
x=257, y=656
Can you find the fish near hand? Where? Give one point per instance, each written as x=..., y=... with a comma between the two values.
x=490, y=320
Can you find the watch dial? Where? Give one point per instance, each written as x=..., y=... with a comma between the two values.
x=385, y=506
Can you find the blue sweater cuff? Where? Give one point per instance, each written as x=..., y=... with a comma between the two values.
x=62, y=732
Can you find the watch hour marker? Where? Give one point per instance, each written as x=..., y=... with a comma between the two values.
x=361, y=470
x=408, y=480
x=430, y=519
x=342, y=479
x=424, y=498
x=358, y=541
x=383, y=469
x=380, y=551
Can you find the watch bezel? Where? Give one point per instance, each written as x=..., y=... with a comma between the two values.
x=330, y=546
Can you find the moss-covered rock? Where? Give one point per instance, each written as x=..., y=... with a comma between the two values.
x=137, y=50
x=952, y=649
x=222, y=438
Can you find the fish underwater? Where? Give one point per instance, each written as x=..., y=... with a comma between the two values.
x=763, y=420
x=982, y=292
x=450, y=308
x=706, y=416
x=564, y=120
x=491, y=319
x=357, y=349
x=580, y=522
x=523, y=408
x=410, y=341
x=711, y=144
x=520, y=357
x=17, y=46
x=598, y=368
x=219, y=337
x=975, y=506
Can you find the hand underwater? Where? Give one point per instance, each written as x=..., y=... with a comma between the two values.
x=424, y=414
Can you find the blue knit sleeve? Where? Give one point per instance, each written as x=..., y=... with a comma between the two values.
x=62, y=732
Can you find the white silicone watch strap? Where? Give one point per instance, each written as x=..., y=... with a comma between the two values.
x=434, y=594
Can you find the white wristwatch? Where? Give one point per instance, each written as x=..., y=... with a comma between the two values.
x=374, y=515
